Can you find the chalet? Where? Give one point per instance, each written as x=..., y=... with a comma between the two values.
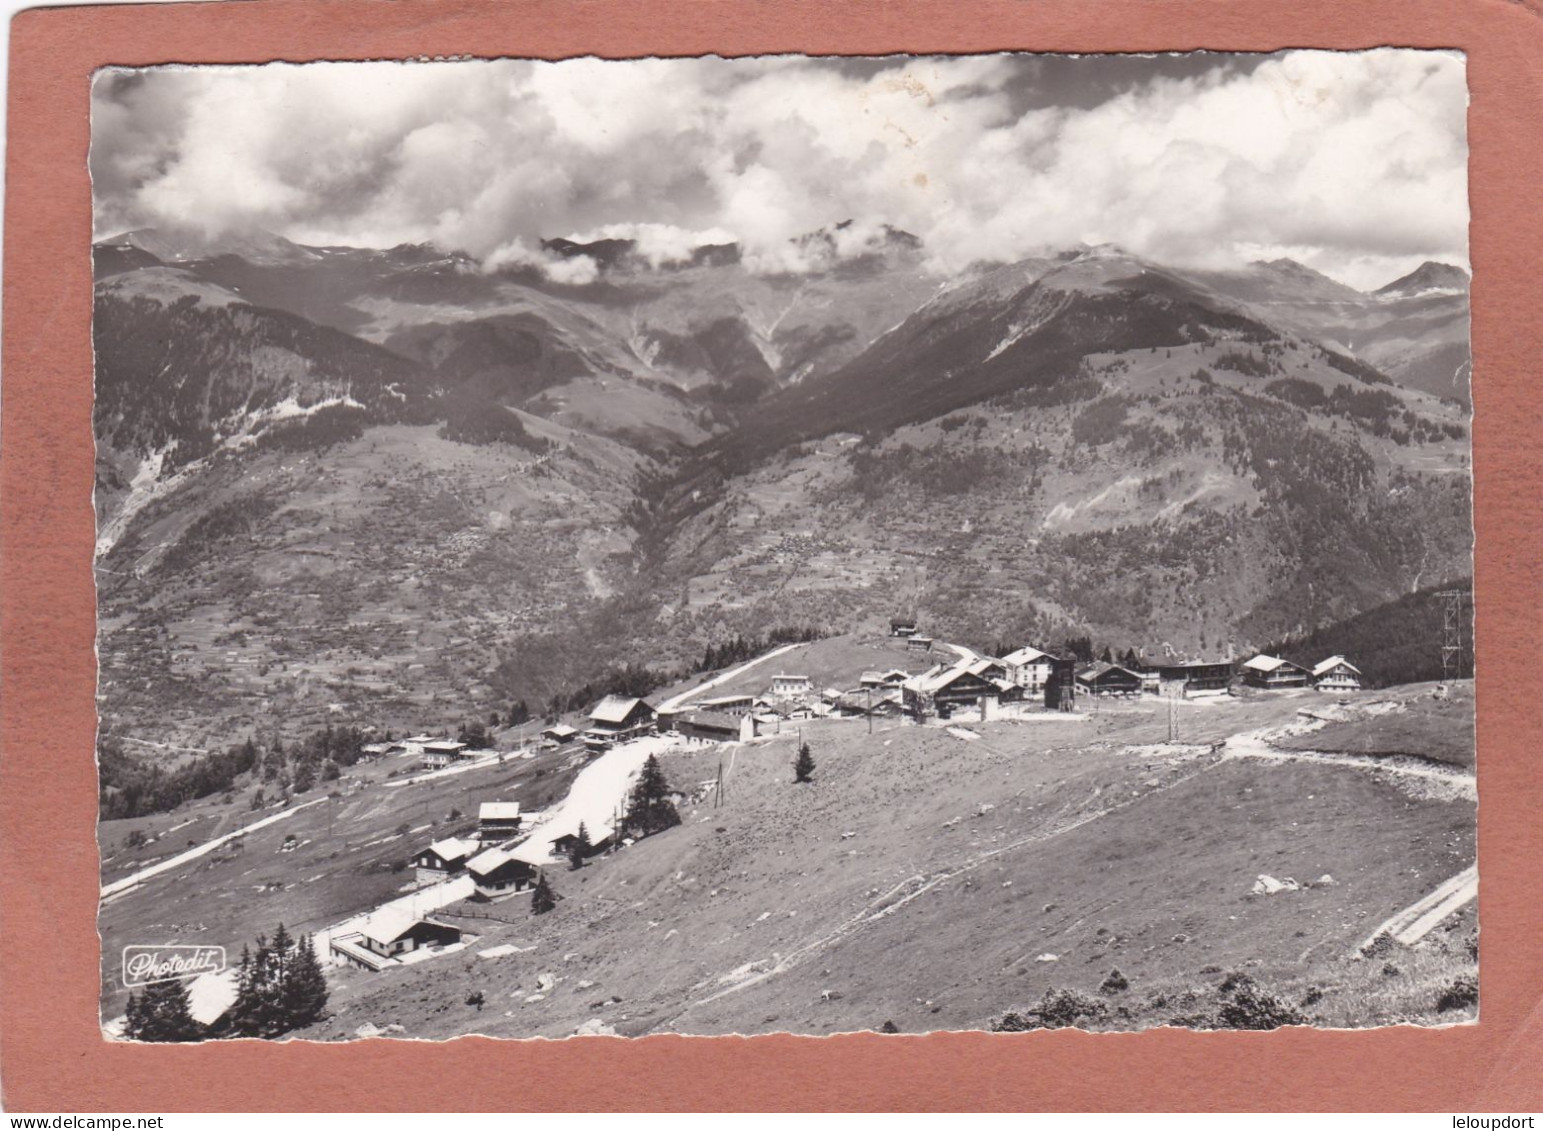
x=1108, y=679
x=560, y=734
x=890, y=679
x=1189, y=677
x=441, y=860
x=439, y=753
x=917, y=643
x=600, y=834
x=791, y=686
x=902, y=626
x=498, y=821
x=1029, y=668
x=943, y=690
x=1336, y=674
x=388, y=934
x=374, y=751
x=710, y=726
x=729, y=704
x=618, y=718
x=1273, y=673
x=501, y=871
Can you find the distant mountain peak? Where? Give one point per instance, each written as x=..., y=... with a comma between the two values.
x=184, y=245
x=1427, y=277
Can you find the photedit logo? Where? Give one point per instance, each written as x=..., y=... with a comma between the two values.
x=145, y=964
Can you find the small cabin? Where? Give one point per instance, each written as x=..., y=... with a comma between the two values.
x=559, y=734
x=902, y=626
x=441, y=860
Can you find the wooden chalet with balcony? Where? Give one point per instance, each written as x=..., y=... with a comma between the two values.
x=1273, y=673
x=618, y=718
x=1336, y=674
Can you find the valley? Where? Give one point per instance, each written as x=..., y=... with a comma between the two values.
x=349, y=495
x=395, y=484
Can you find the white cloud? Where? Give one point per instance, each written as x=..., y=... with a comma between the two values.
x=1356, y=159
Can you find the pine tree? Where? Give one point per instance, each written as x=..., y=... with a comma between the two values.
x=543, y=899
x=160, y=1013
x=582, y=847
x=803, y=768
x=279, y=987
x=303, y=988
x=649, y=808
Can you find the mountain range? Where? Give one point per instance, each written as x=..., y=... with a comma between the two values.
x=403, y=486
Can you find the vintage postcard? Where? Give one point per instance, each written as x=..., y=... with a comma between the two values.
x=784, y=544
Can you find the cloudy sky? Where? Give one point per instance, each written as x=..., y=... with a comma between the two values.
x=1354, y=163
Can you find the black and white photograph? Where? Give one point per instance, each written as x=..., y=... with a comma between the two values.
x=784, y=544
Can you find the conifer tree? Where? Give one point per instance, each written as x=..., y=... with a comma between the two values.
x=582, y=847
x=303, y=990
x=803, y=767
x=160, y=1013
x=649, y=808
x=543, y=899
x=279, y=986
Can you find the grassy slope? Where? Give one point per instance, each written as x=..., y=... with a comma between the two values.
x=343, y=865
x=1039, y=838
x=1439, y=730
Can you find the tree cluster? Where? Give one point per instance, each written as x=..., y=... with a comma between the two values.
x=280, y=987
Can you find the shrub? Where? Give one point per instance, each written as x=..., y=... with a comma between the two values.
x=1461, y=994
x=1115, y=983
x=1253, y=1008
x=1058, y=1009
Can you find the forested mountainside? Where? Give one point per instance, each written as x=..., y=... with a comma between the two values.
x=403, y=486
